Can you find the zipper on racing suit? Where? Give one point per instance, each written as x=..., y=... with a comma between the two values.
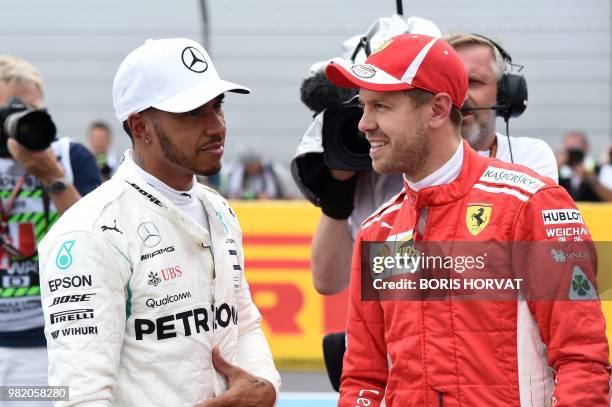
x=421, y=224
x=213, y=318
x=213, y=325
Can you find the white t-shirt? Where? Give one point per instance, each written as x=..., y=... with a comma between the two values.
x=530, y=152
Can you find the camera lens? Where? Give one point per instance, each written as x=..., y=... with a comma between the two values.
x=575, y=156
x=352, y=140
x=345, y=147
x=33, y=129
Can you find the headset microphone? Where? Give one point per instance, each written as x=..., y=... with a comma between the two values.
x=511, y=92
x=494, y=107
x=511, y=87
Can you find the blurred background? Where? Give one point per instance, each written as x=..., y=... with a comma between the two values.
x=269, y=45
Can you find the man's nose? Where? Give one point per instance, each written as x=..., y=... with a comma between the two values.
x=216, y=124
x=366, y=123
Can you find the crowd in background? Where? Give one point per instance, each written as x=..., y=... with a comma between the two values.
x=584, y=176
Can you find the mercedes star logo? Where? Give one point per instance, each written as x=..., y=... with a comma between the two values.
x=194, y=60
x=149, y=234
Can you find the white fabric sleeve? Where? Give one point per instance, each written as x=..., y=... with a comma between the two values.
x=543, y=161
x=84, y=283
x=61, y=148
x=253, y=352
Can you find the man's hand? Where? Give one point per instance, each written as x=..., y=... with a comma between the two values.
x=244, y=389
x=337, y=193
x=561, y=157
x=582, y=171
x=42, y=164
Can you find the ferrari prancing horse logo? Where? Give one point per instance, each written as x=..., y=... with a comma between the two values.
x=477, y=217
x=382, y=46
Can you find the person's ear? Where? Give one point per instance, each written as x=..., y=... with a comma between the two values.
x=140, y=127
x=441, y=106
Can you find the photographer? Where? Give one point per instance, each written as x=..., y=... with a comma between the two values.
x=487, y=65
x=40, y=178
x=579, y=174
x=346, y=197
x=332, y=166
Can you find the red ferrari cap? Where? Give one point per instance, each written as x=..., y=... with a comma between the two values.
x=406, y=61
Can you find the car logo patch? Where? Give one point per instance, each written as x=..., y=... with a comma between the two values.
x=149, y=234
x=581, y=288
x=63, y=260
x=477, y=217
x=194, y=60
x=382, y=46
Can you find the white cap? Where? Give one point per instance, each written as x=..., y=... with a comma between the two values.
x=174, y=75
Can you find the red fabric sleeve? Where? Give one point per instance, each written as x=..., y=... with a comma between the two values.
x=365, y=371
x=571, y=323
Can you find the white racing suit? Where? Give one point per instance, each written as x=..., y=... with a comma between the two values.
x=136, y=295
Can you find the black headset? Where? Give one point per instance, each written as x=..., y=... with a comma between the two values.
x=511, y=87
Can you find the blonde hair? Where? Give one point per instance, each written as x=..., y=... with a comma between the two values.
x=499, y=65
x=19, y=72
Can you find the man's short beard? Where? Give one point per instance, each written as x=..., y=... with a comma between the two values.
x=476, y=135
x=472, y=134
x=411, y=158
x=175, y=156
x=169, y=150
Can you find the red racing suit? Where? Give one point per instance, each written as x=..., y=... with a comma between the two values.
x=477, y=353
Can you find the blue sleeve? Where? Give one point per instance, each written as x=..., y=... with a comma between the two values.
x=84, y=168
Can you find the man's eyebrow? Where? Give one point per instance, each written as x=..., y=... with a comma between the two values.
x=220, y=97
x=372, y=101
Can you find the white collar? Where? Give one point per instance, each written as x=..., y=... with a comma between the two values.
x=443, y=175
x=178, y=198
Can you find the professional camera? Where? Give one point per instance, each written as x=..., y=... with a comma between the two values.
x=103, y=166
x=32, y=128
x=333, y=141
x=344, y=146
x=575, y=156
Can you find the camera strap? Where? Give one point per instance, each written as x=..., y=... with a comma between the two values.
x=493, y=149
x=5, y=239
